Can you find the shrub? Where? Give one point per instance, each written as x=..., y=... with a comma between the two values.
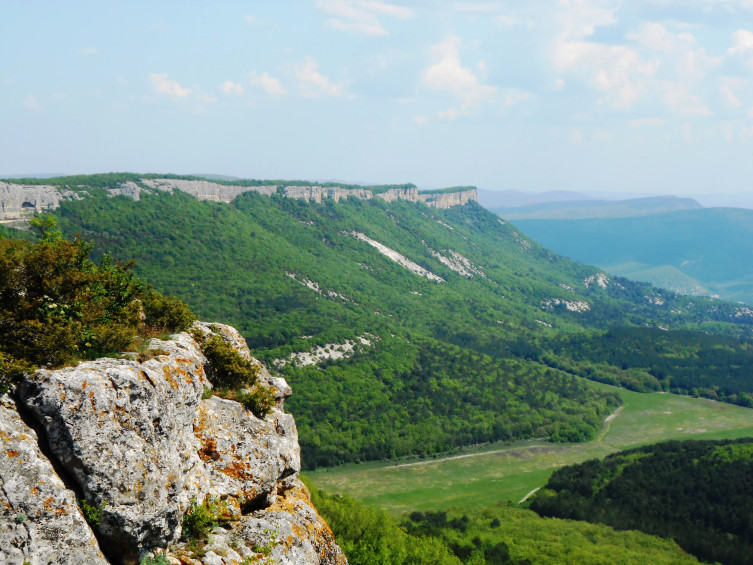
x=12, y=369
x=259, y=400
x=57, y=306
x=165, y=313
x=227, y=368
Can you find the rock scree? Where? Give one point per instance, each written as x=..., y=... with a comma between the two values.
x=140, y=443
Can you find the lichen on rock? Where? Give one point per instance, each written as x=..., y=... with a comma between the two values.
x=141, y=444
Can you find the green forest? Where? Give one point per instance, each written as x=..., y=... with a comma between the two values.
x=695, y=492
x=291, y=277
x=498, y=535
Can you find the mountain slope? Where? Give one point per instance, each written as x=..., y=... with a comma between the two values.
x=431, y=327
x=690, y=251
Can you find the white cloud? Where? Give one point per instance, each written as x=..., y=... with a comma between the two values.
x=449, y=114
x=312, y=83
x=615, y=69
x=742, y=41
x=88, y=51
x=31, y=102
x=449, y=75
x=728, y=95
x=163, y=85
x=229, y=87
x=420, y=120
x=576, y=136
x=268, y=84
x=249, y=19
x=678, y=97
x=654, y=36
x=361, y=16
x=641, y=122
x=514, y=96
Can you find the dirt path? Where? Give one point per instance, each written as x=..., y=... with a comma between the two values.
x=522, y=500
x=608, y=424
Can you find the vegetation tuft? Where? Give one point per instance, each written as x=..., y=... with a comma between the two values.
x=57, y=306
x=234, y=377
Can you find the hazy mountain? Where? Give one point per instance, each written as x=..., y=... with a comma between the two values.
x=706, y=251
x=580, y=209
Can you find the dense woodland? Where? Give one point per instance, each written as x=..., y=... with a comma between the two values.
x=290, y=276
x=498, y=535
x=699, y=493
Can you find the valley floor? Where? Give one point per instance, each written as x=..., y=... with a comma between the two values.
x=482, y=476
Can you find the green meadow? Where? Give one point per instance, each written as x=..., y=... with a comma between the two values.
x=480, y=477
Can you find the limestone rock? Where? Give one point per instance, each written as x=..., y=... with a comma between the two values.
x=136, y=439
x=247, y=458
x=124, y=431
x=20, y=200
x=40, y=521
x=290, y=532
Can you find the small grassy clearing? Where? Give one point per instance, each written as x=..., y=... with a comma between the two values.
x=480, y=477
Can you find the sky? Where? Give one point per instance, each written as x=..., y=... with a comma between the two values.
x=638, y=96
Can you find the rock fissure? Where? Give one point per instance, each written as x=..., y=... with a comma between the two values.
x=70, y=482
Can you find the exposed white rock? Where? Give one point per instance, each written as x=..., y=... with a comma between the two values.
x=572, y=306
x=207, y=190
x=18, y=201
x=544, y=323
x=655, y=300
x=328, y=352
x=398, y=258
x=317, y=193
x=315, y=287
x=600, y=279
x=458, y=263
x=566, y=287
x=128, y=189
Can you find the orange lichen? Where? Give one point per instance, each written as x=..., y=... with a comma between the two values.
x=13, y=453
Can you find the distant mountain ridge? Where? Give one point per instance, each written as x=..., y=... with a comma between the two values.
x=581, y=209
x=705, y=251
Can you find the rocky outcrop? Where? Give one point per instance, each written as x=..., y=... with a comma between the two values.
x=316, y=193
x=19, y=201
x=206, y=190
x=141, y=441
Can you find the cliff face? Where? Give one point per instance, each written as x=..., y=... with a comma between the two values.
x=140, y=443
x=18, y=201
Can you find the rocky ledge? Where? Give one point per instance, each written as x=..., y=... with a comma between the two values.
x=99, y=463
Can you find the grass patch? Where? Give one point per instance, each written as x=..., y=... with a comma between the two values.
x=478, y=478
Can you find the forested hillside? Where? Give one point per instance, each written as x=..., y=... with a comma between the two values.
x=431, y=328
x=699, y=493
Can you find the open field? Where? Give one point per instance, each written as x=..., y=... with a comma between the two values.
x=483, y=476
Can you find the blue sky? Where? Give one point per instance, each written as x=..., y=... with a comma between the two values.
x=651, y=96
